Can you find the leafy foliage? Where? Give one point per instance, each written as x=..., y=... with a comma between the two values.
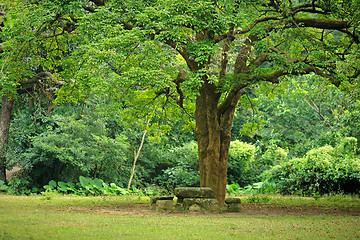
x=240, y=157
x=183, y=170
x=3, y=186
x=67, y=145
x=298, y=114
x=27, y=45
x=272, y=155
x=82, y=144
x=265, y=187
x=85, y=186
x=136, y=54
x=322, y=170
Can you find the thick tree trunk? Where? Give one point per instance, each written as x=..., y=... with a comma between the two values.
x=213, y=134
x=5, y=117
x=214, y=120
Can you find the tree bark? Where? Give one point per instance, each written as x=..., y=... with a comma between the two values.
x=5, y=117
x=213, y=134
x=213, y=125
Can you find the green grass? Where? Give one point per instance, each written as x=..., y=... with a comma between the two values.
x=69, y=217
x=326, y=201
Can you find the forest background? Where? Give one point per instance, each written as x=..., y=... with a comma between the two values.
x=298, y=135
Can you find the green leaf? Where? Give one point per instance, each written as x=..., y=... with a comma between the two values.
x=3, y=187
x=53, y=184
x=62, y=187
x=97, y=183
x=85, y=182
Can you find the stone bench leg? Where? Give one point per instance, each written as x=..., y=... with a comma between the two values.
x=164, y=205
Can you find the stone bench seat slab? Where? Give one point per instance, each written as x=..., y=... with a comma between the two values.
x=194, y=192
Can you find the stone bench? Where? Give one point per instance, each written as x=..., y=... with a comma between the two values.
x=196, y=199
x=193, y=199
x=162, y=203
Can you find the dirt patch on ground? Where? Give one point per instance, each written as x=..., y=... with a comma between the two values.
x=248, y=209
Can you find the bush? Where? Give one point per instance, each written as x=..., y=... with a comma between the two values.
x=322, y=170
x=347, y=147
x=19, y=185
x=185, y=168
x=264, y=161
x=76, y=147
x=240, y=156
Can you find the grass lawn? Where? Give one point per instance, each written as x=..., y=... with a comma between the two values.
x=73, y=217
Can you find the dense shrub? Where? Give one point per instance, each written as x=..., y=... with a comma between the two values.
x=265, y=160
x=240, y=156
x=184, y=170
x=74, y=147
x=322, y=170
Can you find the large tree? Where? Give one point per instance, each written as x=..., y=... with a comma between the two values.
x=225, y=46
x=210, y=52
x=206, y=52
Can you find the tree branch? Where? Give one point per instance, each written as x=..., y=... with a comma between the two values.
x=255, y=22
x=28, y=85
x=181, y=77
x=297, y=22
x=310, y=8
x=322, y=23
x=225, y=50
x=259, y=59
x=353, y=34
x=242, y=57
x=232, y=98
x=316, y=109
x=356, y=74
x=99, y=3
